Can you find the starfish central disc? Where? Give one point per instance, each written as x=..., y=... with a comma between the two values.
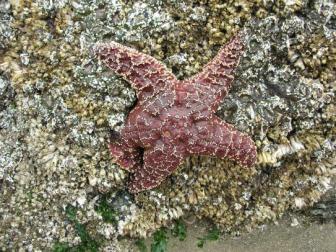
x=174, y=119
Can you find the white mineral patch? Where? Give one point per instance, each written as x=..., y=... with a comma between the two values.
x=81, y=200
x=290, y=2
x=299, y=203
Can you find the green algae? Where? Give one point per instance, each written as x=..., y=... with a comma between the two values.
x=140, y=244
x=160, y=241
x=179, y=230
x=212, y=235
x=106, y=211
x=87, y=242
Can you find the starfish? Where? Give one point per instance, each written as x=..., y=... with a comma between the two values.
x=173, y=119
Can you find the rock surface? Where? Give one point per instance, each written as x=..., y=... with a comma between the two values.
x=58, y=184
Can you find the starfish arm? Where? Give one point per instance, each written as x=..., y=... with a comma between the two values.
x=124, y=152
x=158, y=164
x=146, y=75
x=214, y=81
x=217, y=138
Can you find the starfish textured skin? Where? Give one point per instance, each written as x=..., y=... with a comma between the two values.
x=173, y=118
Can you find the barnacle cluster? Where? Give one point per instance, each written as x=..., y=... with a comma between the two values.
x=32, y=64
x=315, y=57
x=57, y=105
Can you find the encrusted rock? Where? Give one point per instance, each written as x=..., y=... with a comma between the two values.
x=58, y=105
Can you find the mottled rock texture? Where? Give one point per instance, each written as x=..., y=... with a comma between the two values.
x=58, y=184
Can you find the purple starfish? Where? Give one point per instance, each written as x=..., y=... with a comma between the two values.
x=174, y=119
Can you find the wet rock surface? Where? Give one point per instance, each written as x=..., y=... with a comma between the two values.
x=58, y=105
